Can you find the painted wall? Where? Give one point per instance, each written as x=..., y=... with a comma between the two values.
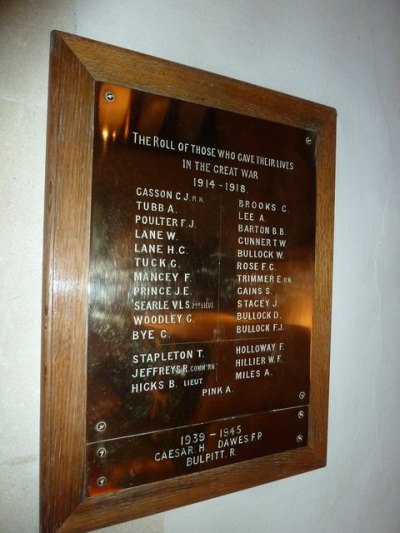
x=344, y=53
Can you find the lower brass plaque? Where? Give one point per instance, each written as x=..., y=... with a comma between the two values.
x=130, y=461
x=201, y=288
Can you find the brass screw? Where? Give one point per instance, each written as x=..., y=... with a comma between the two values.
x=101, y=426
x=109, y=96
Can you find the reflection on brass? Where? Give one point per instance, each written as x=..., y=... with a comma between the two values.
x=113, y=111
x=201, y=288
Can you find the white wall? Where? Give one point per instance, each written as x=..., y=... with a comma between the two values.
x=344, y=53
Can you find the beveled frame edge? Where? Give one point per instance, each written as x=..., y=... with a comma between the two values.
x=76, y=64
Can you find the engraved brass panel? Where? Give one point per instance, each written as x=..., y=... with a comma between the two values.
x=201, y=285
x=127, y=462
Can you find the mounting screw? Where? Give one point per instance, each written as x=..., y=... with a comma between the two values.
x=299, y=438
x=101, y=426
x=302, y=395
x=101, y=481
x=109, y=96
x=101, y=452
x=300, y=414
x=308, y=140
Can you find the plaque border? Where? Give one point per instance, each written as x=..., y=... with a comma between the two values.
x=76, y=63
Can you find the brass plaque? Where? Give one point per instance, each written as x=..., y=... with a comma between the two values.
x=202, y=253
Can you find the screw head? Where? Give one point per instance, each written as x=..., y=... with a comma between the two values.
x=101, y=452
x=300, y=414
x=299, y=438
x=302, y=395
x=308, y=140
x=109, y=96
x=101, y=481
x=101, y=426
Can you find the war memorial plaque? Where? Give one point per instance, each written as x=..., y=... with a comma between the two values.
x=199, y=284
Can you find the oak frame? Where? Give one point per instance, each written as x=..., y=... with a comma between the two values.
x=76, y=64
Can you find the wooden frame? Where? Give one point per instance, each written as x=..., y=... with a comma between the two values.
x=76, y=64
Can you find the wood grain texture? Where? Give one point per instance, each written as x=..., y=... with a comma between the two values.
x=67, y=210
x=76, y=64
